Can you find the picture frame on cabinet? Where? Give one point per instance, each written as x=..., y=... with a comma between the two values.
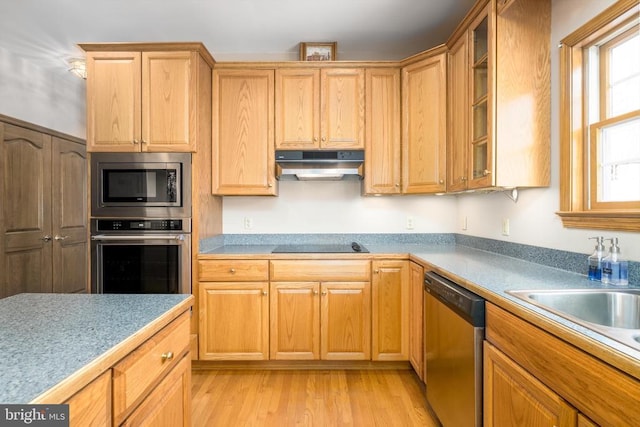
x=318, y=51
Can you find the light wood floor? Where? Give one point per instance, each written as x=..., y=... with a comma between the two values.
x=308, y=398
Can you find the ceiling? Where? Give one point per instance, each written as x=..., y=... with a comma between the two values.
x=47, y=31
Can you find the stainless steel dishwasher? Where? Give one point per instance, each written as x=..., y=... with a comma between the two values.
x=454, y=330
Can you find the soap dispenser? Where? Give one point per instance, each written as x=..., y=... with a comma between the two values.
x=595, y=260
x=615, y=269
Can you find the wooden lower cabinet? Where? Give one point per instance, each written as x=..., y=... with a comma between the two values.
x=513, y=397
x=234, y=321
x=390, y=310
x=416, y=318
x=91, y=406
x=169, y=404
x=530, y=376
x=345, y=328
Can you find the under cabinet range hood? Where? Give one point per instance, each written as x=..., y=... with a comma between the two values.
x=319, y=165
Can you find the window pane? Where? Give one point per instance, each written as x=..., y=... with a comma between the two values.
x=619, y=162
x=624, y=77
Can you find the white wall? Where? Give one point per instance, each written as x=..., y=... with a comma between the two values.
x=48, y=96
x=337, y=207
x=532, y=219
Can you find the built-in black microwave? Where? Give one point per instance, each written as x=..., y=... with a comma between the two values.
x=147, y=185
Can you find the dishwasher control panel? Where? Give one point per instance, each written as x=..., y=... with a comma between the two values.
x=467, y=304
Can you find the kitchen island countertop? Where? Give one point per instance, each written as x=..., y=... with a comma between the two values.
x=58, y=342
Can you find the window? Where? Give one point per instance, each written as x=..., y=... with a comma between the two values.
x=600, y=121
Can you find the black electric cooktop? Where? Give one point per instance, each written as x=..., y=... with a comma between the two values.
x=352, y=248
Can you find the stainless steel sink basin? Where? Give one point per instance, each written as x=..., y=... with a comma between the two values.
x=612, y=312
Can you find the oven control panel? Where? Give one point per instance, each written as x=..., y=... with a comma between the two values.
x=139, y=225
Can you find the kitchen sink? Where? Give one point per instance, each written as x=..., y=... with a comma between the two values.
x=614, y=313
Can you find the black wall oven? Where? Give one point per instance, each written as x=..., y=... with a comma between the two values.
x=141, y=185
x=140, y=256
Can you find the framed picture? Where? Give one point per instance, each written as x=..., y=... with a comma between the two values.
x=318, y=51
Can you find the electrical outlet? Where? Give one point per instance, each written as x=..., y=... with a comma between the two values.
x=410, y=223
x=464, y=223
x=248, y=223
x=505, y=226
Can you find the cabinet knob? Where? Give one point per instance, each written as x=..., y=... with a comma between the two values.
x=463, y=178
x=441, y=181
x=324, y=139
x=232, y=271
x=397, y=185
x=144, y=142
x=46, y=238
x=167, y=356
x=265, y=293
x=59, y=238
x=315, y=139
x=315, y=292
x=135, y=141
x=324, y=292
x=486, y=172
x=376, y=271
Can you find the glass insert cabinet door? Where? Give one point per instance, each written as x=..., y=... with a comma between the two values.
x=480, y=92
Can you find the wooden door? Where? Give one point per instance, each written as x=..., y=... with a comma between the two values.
x=512, y=396
x=342, y=92
x=382, y=136
x=243, y=147
x=169, y=403
x=169, y=101
x=113, y=101
x=297, y=111
x=69, y=216
x=458, y=117
x=416, y=318
x=390, y=310
x=234, y=321
x=424, y=126
x=25, y=185
x=295, y=321
x=345, y=317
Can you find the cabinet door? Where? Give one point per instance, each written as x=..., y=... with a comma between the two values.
x=91, y=406
x=416, y=319
x=295, y=321
x=382, y=160
x=345, y=316
x=113, y=101
x=243, y=149
x=25, y=186
x=69, y=216
x=169, y=101
x=390, y=310
x=342, y=108
x=458, y=118
x=512, y=396
x=480, y=111
x=234, y=321
x=297, y=108
x=169, y=404
x=424, y=126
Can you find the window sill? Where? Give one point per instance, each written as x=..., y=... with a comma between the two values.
x=609, y=220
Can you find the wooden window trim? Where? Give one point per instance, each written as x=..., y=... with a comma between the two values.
x=574, y=210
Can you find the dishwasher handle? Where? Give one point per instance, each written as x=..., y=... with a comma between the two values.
x=465, y=303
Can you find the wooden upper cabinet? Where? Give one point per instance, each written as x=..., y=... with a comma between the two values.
x=457, y=126
x=243, y=145
x=320, y=108
x=382, y=137
x=499, y=97
x=424, y=125
x=144, y=101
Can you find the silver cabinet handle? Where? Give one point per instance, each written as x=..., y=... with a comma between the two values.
x=46, y=238
x=59, y=238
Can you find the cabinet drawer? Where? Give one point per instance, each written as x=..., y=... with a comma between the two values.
x=233, y=270
x=143, y=368
x=329, y=270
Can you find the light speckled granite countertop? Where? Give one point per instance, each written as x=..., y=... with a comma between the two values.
x=489, y=274
x=46, y=338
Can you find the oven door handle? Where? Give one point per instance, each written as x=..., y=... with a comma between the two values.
x=107, y=238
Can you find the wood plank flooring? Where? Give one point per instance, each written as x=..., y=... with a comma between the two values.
x=308, y=398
